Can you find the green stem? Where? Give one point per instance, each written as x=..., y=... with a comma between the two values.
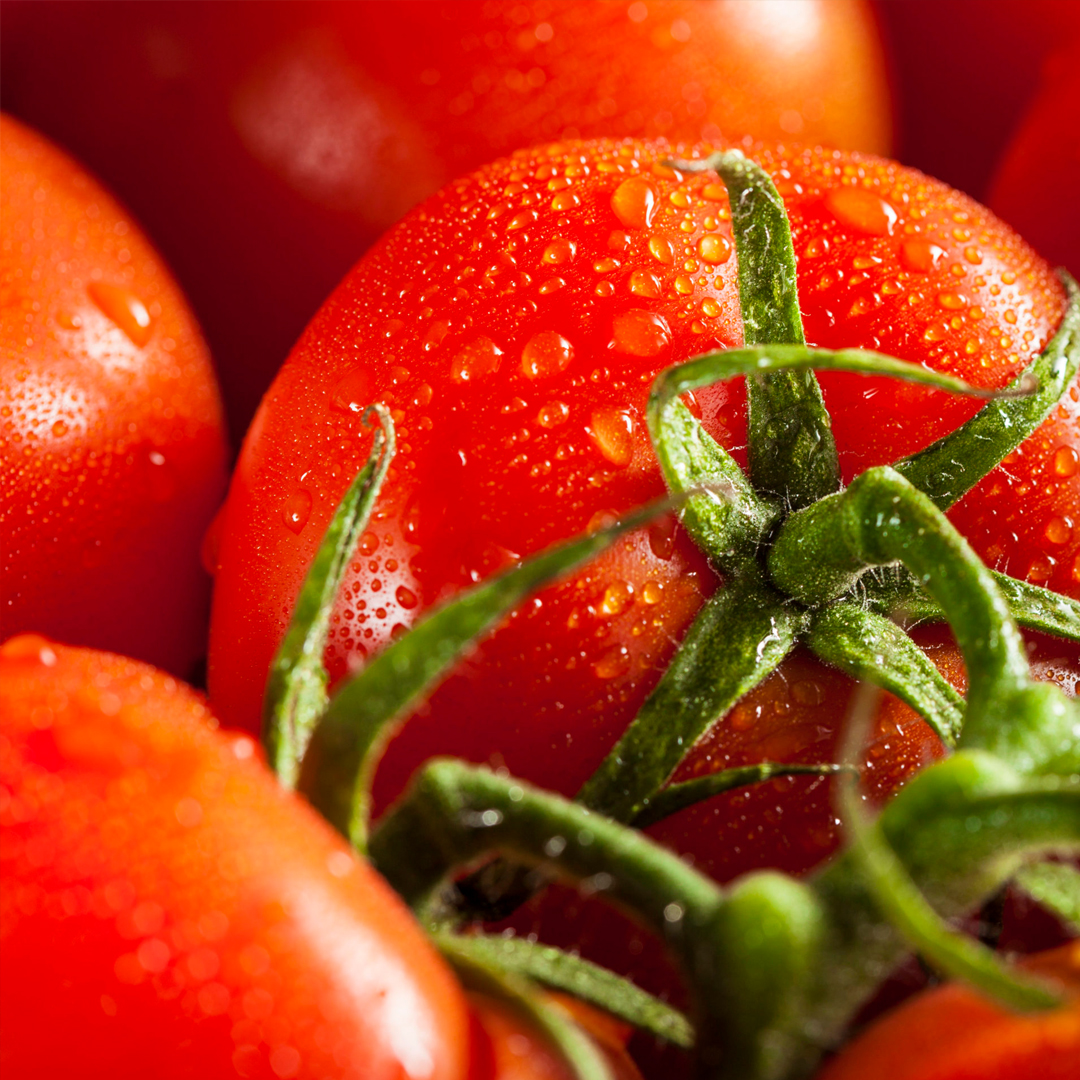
x=949, y=468
x=296, y=686
x=1057, y=887
x=821, y=552
x=578, y=1052
x=584, y=980
x=868, y=647
x=359, y=720
x=741, y=635
x=791, y=446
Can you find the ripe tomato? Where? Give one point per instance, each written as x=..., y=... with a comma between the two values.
x=267, y=146
x=112, y=448
x=951, y=1033
x=514, y=323
x=168, y=909
x=964, y=76
x=1037, y=184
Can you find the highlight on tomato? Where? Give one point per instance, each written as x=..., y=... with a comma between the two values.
x=266, y=147
x=112, y=442
x=513, y=325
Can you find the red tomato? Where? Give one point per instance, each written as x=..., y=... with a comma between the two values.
x=964, y=75
x=1037, y=184
x=168, y=909
x=266, y=146
x=504, y=1048
x=951, y=1033
x=514, y=323
x=112, y=448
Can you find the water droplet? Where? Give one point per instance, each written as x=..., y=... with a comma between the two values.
x=710, y=308
x=662, y=537
x=652, y=592
x=612, y=430
x=808, y=692
x=560, y=250
x=714, y=249
x=661, y=250
x=1058, y=530
x=297, y=510
x=935, y=332
x=423, y=395
x=605, y=288
x=617, y=598
x=526, y=217
x=952, y=301
x=553, y=414
x=551, y=285
x=634, y=202
x=862, y=210
x=1066, y=461
x=920, y=255
x=640, y=333
x=683, y=285
x=353, y=393
x=605, y=266
x=478, y=358
x=59, y=429
x=405, y=597
x=817, y=247
x=565, y=200
x=124, y=308
x=434, y=337
x=642, y=283
x=546, y=354
x=613, y=663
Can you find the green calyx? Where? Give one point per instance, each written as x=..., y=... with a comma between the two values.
x=776, y=968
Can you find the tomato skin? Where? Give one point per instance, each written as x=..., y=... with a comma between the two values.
x=169, y=910
x=506, y=461
x=112, y=445
x=951, y=1033
x=266, y=148
x=1036, y=187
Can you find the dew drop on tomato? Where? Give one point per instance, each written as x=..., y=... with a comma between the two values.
x=634, y=202
x=640, y=333
x=546, y=354
x=297, y=510
x=612, y=432
x=478, y=358
x=124, y=308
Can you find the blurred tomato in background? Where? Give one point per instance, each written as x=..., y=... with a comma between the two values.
x=965, y=71
x=265, y=146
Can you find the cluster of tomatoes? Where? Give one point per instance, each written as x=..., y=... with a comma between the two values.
x=168, y=907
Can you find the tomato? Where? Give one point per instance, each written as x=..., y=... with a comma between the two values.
x=951, y=1033
x=965, y=73
x=505, y=1048
x=169, y=910
x=1036, y=187
x=514, y=323
x=267, y=146
x=112, y=446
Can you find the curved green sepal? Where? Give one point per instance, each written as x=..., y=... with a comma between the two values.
x=346, y=745
x=1057, y=887
x=791, y=446
x=952, y=466
x=676, y=797
x=870, y=648
x=578, y=1052
x=739, y=636
x=728, y=521
x=584, y=980
x=1031, y=606
x=901, y=902
x=769, y=935
x=296, y=686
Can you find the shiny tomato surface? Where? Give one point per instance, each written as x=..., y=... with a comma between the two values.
x=168, y=910
x=513, y=324
x=267, y=145
x=112, y=442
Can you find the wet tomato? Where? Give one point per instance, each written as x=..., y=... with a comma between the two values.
x=513, y=324
x=266, y=147
x=112, y=444
x=169, y=910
